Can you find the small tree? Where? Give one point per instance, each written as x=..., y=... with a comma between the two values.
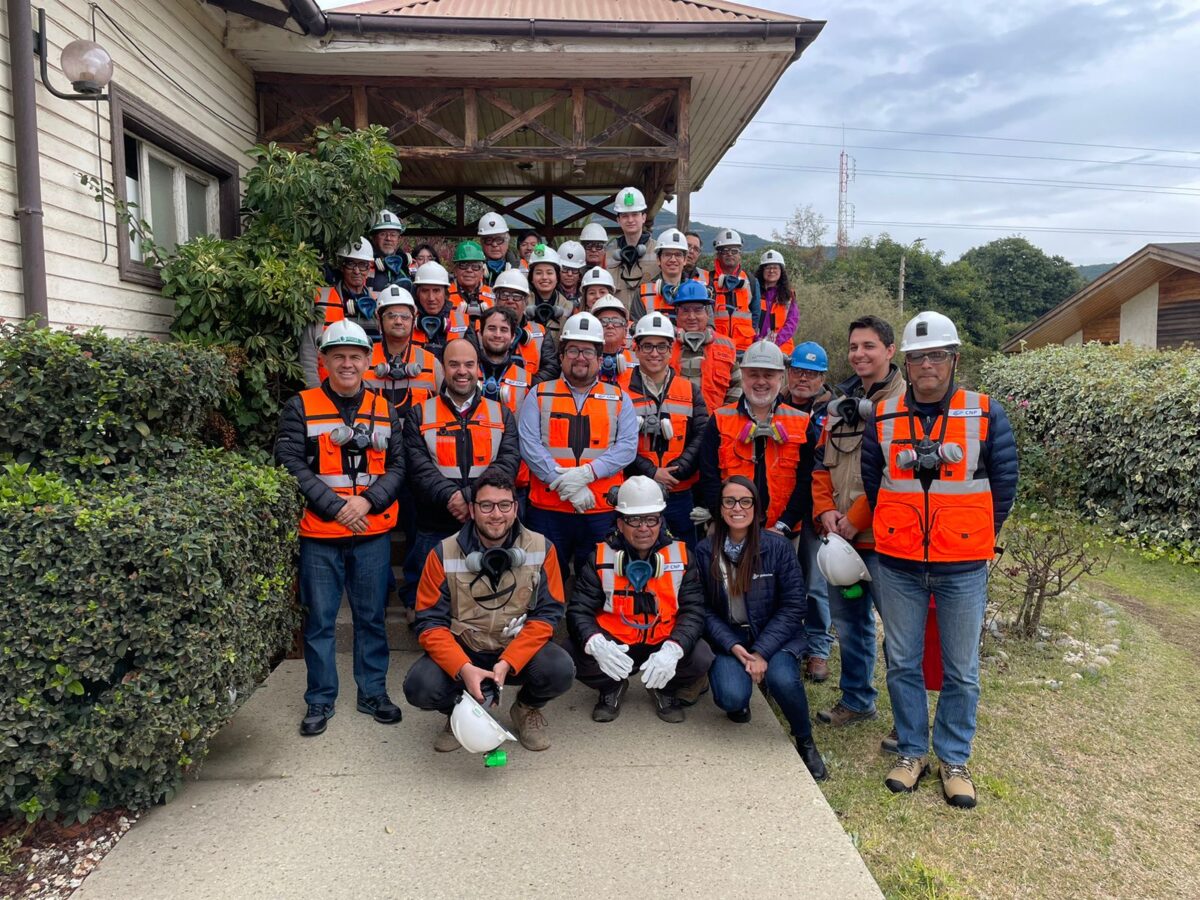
x=805, y=233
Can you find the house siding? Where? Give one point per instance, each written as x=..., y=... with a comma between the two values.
x=1139, y=318
x=184, y=38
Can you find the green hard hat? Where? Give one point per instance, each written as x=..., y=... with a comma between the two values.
x=468, y=251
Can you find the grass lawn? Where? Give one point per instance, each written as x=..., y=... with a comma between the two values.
x=1084, y=791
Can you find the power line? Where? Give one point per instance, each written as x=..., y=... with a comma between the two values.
x=980, y=137
x=962, y=225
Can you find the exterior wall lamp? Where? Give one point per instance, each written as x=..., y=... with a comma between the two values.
x=87, y=65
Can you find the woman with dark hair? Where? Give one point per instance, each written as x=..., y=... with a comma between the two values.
x=780, y=314
x=754, y=618
x=423, y=253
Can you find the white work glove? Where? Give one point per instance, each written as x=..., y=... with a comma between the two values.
x=699, y=515
x=610, y=656
x=571, y=480
x=583, y=500
x=510, y=630
x=659, y=668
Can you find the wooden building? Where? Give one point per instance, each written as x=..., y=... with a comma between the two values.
x=1151, y=299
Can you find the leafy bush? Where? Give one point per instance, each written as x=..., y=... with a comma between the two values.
x=84, y=403
x=1113, y=432
x=135, y=616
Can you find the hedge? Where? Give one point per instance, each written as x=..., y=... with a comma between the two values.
x=1113, y=432
x=135, y=616
x=90, y=405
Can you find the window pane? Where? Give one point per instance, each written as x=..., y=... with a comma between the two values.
x=133, y=191
x=161, y=178
x=197, y=207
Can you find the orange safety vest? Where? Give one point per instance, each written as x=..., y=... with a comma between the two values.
x=951, y=520
x=404, y=393
x=457, y=324
x=652, y=298
x=731, y=315
x=716, y=369
x=618, y=618
x=676, y=403
x=576, y=437
x=778, y=318
x=514, y=384
x=483, y=296
x=631, y=363
x=462, y=450
x=531, y=348
x=332, y=309
x=736, y=454
x=331, y=462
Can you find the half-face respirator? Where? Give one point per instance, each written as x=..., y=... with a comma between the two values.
x=358, y=438
x=929, y=456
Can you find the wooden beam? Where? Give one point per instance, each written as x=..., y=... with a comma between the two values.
x=534, y=154
x=578, y=117
x=420, y=118
x=408, y=81
x=636, y=118
x=361, y=119
x=309, y=115
x=527, y=118
x=470, y=117
x=587, y=207
x=683, y=173
x=548, y=214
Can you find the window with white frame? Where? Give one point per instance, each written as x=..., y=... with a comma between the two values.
x=180, y=202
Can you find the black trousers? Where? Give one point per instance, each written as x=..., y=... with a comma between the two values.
x=547, y=675
x=691, y=668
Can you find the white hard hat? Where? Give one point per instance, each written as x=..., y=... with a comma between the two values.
x=928, y=330
x=387, y=221
x=640, y=495
x=394, y=295
x=629, y=199
x=346, y=334
x=840, y=563
x=544, y=253
x=512, y=280
x=671, y=239
x=594, y=231
x=582, y=326
x=771, y=257
x=608, y=301
x=727, y=237
x=571, y=255
x=763, y=355
x=474, y=727
x=492, y=223
x=432, y=273
x=360, y=250
x=597, y=275
x=654, y=325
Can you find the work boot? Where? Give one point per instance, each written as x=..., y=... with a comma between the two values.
x=816, y=669
x=841, y=715
x=906, y=774
x=690, y=693
x=531, y=726
x=382, y=708
x=316, y=718
x=667, y=707
x=446, y=742
x=608, y=707
x=957, y=786
x=740, y=716
x=812, y=758
x=891, y=743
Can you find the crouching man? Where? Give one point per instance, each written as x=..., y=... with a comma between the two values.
x=487, y=603
x=639, y=602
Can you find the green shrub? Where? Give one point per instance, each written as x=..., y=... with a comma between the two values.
x=135, y=616
x=1113, y=432
x=87, y=404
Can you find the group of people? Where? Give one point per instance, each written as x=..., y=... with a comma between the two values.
x=606, y=460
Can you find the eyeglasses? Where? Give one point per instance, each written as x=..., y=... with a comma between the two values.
x=397, y=316
x=654, y=348
x=495, y=240
x=469, y=266
x=807, y=374
x=357, y=266
x=934, y=356
x=642, y=521
x=612, y=321
x=510, y=296
x=577, y=352
x=593, y=245
x=729, y=251
x=743, y=502
x=489, y=506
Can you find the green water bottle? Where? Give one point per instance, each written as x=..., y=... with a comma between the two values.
x=494, y=758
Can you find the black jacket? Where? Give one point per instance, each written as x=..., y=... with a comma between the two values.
x=587, y=601
x=689, y=460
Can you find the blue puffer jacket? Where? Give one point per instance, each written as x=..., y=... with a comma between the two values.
x=776, y=605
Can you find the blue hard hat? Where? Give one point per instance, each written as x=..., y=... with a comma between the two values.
x=691, y=291
x=810, y=355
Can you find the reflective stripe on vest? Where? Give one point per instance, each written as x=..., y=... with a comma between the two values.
x=952, y=521
x=715, y=369
x=731, y=316
x=677, y=404
x=781, y=459
x=404, y=393
x=575, y=437
x=443, y=432
x=531, y=349
x=618, y=618
x=329, y=461
x=456, y=327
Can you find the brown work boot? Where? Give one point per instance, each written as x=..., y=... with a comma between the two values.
x=531, y=726
x=957, y=786
x=841, y=715
x=446, y=741
x=816, y=669
x=690, y=693
x=891, y=743
x=906, y=774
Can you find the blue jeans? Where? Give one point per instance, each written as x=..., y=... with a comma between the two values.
x=414, y=561
x=904, y=604
x=855, y=624
x=731, y=688
x=816, y=625
x=573, y=535
x=678, y=517
x=357, y=567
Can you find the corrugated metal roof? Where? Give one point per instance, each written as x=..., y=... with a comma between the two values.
x=710, y=11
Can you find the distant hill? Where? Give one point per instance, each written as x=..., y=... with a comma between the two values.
x=1091, y=273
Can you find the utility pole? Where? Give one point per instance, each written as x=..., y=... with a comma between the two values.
x=903, y=262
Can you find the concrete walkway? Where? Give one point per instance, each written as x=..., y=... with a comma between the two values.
x=635, y=808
